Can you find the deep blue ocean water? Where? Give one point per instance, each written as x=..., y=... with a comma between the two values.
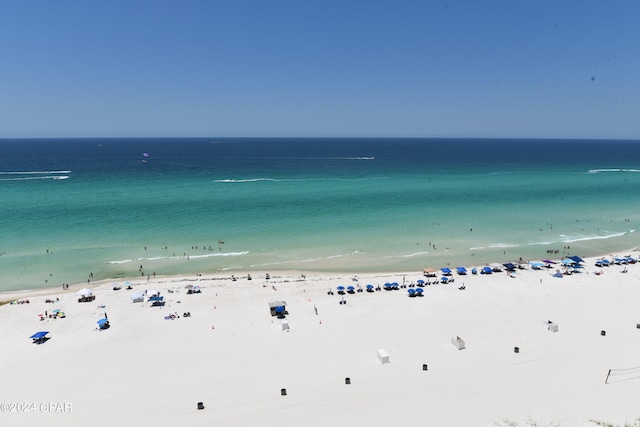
x=70, y=207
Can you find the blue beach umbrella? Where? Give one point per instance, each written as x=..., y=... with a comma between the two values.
x=369, y=286
x=350, y=288
x=420, y=282
x=412, y=292
x=419, y=291
x=340, y=288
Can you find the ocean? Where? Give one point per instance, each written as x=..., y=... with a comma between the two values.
x=127, y=207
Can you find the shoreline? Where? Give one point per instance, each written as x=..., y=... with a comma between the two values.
x=8, y=296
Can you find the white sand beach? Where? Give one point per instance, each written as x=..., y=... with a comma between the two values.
x=232, y=355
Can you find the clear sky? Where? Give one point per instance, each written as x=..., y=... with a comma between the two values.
x=468, y=68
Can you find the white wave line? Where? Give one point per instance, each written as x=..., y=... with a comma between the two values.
x=613, y=170
x=32, y=172
x=54, y=177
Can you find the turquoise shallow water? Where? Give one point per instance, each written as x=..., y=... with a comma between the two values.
x=72, y=207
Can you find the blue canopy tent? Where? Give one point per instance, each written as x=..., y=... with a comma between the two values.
x=461, y=271
x=576, y=259
x=446, y=271
x=39, y=337
x=536, y=265
x=509, y=266
x=486, y=270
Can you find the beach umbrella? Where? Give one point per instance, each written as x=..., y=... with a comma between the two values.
x=420, y=281
x=340, y=288
x=419, y=291
x=369, y=286
x=446, y=271
x=57, y=310
x=411, y=292
x=350, y=288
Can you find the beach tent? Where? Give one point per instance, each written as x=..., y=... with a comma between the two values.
x=429, y=272
x=461, y=271
x=509, y=266
x=458, y=343
x=137, y=298
x=383, y=357
x=84, y=292
x=274, y=305
x=446, y=271
x=576, y=259
x=486, y=270
x=39, y=337
x=103, y=323
x=496, y=267
x=536, y=265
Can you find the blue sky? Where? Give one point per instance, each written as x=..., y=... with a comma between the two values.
x=490, y=68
